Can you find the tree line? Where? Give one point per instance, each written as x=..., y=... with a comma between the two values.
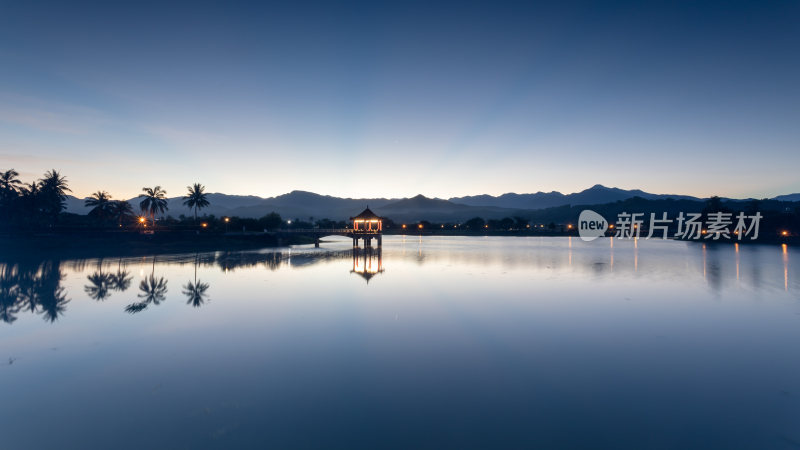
x=40, y=203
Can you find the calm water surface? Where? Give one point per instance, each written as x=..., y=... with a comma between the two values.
x=436, y=342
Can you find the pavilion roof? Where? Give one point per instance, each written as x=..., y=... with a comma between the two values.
x=367, y=214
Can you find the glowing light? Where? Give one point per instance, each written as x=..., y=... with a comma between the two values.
x=420, y=226
x=404, y=225
x=611, y=226
x=784, y=233
x=569, y=226
x=204, y=224
x=227, y=219
x=141, y=219
x=704, y=231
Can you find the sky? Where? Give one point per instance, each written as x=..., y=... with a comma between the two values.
x=394, y=99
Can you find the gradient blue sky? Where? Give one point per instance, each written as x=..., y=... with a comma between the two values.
x=395, y=99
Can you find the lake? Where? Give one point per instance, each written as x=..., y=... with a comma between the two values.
x=434, y=342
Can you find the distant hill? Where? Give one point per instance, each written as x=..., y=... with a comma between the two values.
x=596, y=194
x=304, y=205
x=424, y=208
x=788, y=198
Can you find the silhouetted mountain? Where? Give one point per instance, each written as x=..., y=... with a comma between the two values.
x=596, y=194
x=296, y=204
x=424, y=208
x=788, y=198
x=304, y=205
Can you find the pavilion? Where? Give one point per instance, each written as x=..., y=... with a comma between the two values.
x=365, y=226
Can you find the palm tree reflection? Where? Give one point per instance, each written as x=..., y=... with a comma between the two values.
x=195, y=291
x=153, y=292
x=121, y=280
x=52, y=297
x=101, y=284
x=99, y=287
x=9, y=295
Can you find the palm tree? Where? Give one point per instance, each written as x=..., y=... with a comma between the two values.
x=196, y=198
x=30, y=203
x=55, y=182
x=53, y=188
x=9, y=182
x=155, y=200
x=101, y=203
x=121, y=210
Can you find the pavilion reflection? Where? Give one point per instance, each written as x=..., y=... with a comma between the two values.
x=367, y=262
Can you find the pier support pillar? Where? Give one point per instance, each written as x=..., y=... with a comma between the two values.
x=316, y=241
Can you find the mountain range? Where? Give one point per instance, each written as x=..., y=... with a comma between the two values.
x=305, y=205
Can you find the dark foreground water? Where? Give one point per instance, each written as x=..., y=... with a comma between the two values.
x=435, y=343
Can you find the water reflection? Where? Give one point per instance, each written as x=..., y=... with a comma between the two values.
x=101, y=284
x=623, y=341
x=195, y=291
x=36, y=286
x=153, y=292
x=367, y=262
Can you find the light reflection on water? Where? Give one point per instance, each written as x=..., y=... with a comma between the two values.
x=432, y=342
